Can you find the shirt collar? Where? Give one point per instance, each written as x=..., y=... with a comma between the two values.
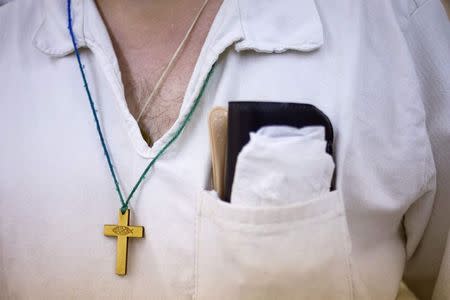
x=261, y=25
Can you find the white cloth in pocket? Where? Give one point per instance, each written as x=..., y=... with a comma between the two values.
x=282, y=164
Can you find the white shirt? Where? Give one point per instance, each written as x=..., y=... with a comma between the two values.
x=379, y=70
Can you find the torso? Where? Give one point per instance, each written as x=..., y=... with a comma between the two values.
x=144, y=51
x=56, y=192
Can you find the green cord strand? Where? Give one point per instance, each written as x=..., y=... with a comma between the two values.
x=172, y=139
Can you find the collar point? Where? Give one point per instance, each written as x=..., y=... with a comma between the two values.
x=52, y=37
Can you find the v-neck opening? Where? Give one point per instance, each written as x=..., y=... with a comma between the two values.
x=209, y=54
x=189, y=98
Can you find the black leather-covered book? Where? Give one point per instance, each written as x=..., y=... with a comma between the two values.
x=249, y=116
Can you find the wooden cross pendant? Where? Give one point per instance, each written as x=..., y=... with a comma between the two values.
x=123, y=231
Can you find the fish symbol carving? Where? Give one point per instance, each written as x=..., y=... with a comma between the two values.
x=122, y=230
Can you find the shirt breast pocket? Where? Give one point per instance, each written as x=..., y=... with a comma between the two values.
x=299, y=251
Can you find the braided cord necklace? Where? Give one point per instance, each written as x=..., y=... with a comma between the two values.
x=123, y=230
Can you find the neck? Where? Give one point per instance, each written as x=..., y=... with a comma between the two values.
x=133, y=21
x=140, y=29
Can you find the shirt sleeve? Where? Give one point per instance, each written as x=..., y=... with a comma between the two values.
x=442, y=287
x=427, y=34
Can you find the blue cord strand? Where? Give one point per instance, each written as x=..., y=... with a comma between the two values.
x=91, y=103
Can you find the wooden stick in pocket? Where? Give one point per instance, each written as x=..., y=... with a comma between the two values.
x=218, y=127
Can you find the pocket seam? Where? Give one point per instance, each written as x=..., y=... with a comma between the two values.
x=198, y=222
x=329, y=203
x=347, y=246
